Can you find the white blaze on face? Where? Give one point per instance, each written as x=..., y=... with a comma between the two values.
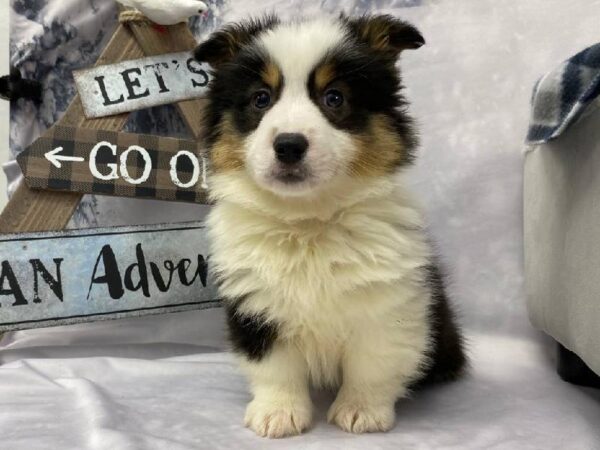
x=297, y=49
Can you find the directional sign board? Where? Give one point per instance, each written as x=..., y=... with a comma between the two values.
x=141, y=83
x=56, y=278
x=92, y=161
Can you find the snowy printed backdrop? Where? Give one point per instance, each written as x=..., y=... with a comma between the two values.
x=50, y=39
x=470, y=88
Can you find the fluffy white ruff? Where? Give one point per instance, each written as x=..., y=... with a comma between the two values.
x=341, y=272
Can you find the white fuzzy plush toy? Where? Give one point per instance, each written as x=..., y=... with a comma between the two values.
x=167, y=12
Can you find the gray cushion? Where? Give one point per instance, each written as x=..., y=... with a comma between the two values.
x=562, y=238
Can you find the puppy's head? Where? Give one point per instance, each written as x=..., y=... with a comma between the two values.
x=296, y=105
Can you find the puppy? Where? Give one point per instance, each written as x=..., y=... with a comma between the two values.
x=320, y=253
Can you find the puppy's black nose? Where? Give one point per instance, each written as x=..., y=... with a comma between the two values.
x=290, y=147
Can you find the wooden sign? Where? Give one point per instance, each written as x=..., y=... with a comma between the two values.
x=111, y=163
x=37, y=210
x=52, y=278
x=141, y=83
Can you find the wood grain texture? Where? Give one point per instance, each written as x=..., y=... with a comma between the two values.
x=35, y=210
x=177, y=38
x=76, y=175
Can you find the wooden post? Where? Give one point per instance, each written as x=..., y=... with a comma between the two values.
x=30, y=210
x=35, y=210
x=179, y=38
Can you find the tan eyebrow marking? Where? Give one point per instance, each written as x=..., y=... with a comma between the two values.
x=324, y=75
x=271, y=75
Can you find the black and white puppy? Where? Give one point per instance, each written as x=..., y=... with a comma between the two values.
x=321, y=254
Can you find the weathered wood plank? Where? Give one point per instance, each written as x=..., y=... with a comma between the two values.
x=169, y=169
x=157, y=80
x=58, y=278
x=178, y=38
x=34, y=210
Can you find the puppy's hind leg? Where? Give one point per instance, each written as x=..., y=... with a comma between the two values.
x=447, y=355
x=279, y=382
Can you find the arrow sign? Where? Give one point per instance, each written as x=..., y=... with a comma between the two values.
x=57, y=278
x=103, y=162
x=141, y=83
x=56, y=159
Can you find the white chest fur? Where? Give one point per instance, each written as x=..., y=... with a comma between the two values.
x=323, y=276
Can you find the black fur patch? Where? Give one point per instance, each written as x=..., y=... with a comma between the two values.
x=371, y=84
x=448, y=360
x=237, y=75
x=223, y=46
x=251, y=336
x=232, y=91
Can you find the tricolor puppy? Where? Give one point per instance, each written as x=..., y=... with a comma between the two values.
x=321, y=254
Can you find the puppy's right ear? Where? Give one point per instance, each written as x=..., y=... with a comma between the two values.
x=223, y=45
x=385, y=33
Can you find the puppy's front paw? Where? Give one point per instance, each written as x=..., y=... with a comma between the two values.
x=358, y=416
x=276, y=420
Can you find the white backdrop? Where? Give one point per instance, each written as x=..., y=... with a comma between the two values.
x=165, y=382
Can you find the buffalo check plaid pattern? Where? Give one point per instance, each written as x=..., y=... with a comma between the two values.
x=76, y=176
x=563, y=95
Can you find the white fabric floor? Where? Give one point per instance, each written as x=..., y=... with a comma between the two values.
x=112, y=386
x=168, y=383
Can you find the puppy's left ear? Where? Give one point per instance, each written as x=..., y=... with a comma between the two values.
x=385, y=33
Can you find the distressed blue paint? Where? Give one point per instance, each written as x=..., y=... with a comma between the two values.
x=79, y=252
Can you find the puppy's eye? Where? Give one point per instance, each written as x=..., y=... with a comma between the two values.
x=261, y=99
x=333, y=98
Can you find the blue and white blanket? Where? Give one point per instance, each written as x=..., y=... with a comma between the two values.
x=563, y=95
